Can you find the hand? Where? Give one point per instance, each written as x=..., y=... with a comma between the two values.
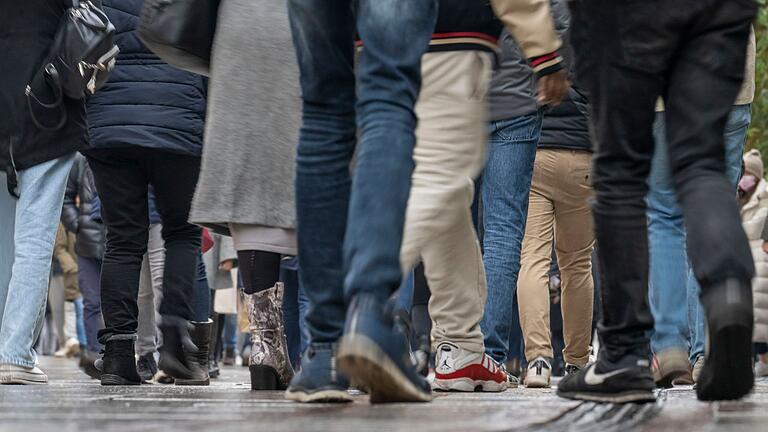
x=227, y=265
x=553, y=87
x=765, y=246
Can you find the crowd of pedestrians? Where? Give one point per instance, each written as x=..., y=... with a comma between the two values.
x=398, y=196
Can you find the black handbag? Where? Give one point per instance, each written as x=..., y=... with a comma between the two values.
x=80, y=61
x=180, y=31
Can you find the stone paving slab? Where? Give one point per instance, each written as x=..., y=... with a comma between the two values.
x=72, y=402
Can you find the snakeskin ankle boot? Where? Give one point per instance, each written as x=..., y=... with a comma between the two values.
x=269, y=363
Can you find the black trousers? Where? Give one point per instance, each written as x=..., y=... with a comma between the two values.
x=692, y=54
x=122, y=179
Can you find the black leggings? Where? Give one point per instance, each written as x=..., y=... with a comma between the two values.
x=259, y=270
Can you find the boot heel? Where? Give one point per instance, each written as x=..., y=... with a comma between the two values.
x=264, y=378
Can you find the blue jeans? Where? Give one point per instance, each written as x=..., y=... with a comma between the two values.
x=27, y=233
x=506, y=183
x=80, y=323
x=678, y=326
x=89, y=273
x=229, y=336
x=350, y=232
x=295, y=305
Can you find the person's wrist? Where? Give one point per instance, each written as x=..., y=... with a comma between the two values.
x=546, y=64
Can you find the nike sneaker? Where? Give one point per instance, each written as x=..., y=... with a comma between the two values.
x=618, y=385
x=457, y=369
x=539, y=374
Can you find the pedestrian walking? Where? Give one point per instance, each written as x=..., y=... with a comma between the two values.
x=146, y=127
x=450, y=150
x=559, y=214
x=350, y=231
x=35, y=160
x=629, y=54
x=77, y=215
x=678, y=334
x=246, y=182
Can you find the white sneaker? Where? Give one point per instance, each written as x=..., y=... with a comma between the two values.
x=12, y=374
x=761, y=369
x=539, y=374
x=460, y=370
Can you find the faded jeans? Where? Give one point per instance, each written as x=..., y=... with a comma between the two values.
x=27, y=233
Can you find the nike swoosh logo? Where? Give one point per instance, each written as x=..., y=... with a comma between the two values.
x=593, y=378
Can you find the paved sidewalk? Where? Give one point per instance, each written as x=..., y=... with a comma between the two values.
x=72, y=402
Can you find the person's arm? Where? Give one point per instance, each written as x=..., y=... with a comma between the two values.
x=530, y=24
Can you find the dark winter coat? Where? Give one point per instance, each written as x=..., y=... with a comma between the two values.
x=27, y=29
x=77, y=219
x=566, y=126
x=146, y=102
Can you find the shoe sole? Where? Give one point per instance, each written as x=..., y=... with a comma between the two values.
x=362, y=359
x=729, y=359
x=202, y=382
x=175, y=368
x=468, y=385
x=20, y=378
x=534, y=382
x=633, y=396
x=264, y=378
x=319, y=396
x=116, y=380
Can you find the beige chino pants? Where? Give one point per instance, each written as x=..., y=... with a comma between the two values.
x=558, y=210
x=450, y=151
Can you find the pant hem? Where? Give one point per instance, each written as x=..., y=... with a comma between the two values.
x=15, y=362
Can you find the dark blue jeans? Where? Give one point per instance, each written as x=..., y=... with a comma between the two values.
x=294, y=309
x=88, y=281
x=506, y=183
x=350, y=231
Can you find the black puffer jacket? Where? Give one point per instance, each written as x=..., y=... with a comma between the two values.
x=146, y=102
x=91, y=235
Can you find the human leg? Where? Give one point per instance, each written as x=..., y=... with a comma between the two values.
x=533, y=284
x=505, y=188
x=574, y=242
x=736, y=129
x=34, y=224
x=721, y=258
x=122, y=179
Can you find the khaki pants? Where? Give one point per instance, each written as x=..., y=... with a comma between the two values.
x=558, y=207
x=449, y=153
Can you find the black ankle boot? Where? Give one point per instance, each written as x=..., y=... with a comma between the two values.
x=201, y=337
x=174, y=354
x=119, y=366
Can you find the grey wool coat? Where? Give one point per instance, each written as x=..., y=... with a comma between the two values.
x=254, y=114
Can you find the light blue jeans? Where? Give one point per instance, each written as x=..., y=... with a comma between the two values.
x=27, y=233
x=506, y=183
x=678, y=315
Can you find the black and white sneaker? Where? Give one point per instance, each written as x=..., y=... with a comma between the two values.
x=624, y=385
